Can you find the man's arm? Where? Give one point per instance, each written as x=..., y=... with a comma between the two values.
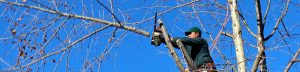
x=172, y=41
x=189, y=41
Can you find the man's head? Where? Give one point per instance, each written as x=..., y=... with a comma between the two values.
x=193, y=32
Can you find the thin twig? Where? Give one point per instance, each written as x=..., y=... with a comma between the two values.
x=167, y=11
x=267, y=11
x=54, y=34
x=214, y=44
x=100, y=58
x=285, y=29
x=3, y=61
x=114, y=17
x=198, y=18
x=142, y=32
x=60, y=60
x=62, y=50
x=111, y=12
x=287, y=68
x=23, y=35
x=245, y=23
x=279, y=20
x=285, y=42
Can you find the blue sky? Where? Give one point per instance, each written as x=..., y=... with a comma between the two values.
x=133, y=52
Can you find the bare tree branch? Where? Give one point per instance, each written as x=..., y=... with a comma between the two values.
x=227, y=34
x=215, y=41
x=55, y=33
x=188, y=59
x=62, y=50
x=256, y=62
x=107, y=50
x=245, y=23
x=82, y=17
x=285, y=29
x=287, y=68
x=266, y=13
x=283, y=38
x=3, y=61
x=198, y=18
x=279, y=20
x=167, y=11
x=110, y=11
x=60, y=60
x=296, y=60
x=170, y=46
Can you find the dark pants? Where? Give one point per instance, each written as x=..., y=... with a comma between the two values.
x=207, y=67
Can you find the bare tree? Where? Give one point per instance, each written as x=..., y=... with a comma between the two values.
x=38, y=34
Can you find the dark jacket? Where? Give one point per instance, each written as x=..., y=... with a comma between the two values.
x=197, y=49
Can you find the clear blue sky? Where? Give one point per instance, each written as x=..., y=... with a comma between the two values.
x=133, y=52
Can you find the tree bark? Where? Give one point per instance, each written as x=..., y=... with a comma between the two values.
x=237, y=36
x=117, y=25
x=260, y=58
x=292, y=61
x=187, y=57
x=170, y=46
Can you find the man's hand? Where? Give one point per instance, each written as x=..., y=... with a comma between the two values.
x=158, y=29
x=187, y=70
x=171, y=38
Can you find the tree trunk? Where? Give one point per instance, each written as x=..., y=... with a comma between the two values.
x=237, y=36
x=187, y=57
x=170, y=46
x=260, y=58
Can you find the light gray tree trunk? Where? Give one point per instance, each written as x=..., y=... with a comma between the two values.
x=237, y=36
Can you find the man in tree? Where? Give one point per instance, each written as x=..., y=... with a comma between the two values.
x=197, y=49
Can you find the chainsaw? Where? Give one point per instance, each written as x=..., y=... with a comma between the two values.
x=157, y=34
